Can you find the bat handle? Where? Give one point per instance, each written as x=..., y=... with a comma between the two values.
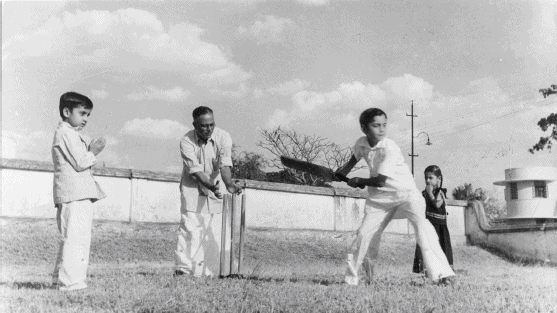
x=342, y=177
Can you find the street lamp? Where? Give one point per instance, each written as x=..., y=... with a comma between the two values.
x=428, y=143
x=412, y=155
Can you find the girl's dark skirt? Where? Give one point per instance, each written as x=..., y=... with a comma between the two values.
x=445, y=242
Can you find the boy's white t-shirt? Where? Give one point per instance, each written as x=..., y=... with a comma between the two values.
x=385, y=159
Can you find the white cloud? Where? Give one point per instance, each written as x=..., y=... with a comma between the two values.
x=289, y=87
x=409, y=87
x=231, y=74
x=123, y=41
x=353, y=95
x=257, y=93
x=313, y=2
x=238, y=93
x=154, y=93
x=154, y=129
x=269, y=30
x=111, y=141
x=99, y=94
x=279, y=118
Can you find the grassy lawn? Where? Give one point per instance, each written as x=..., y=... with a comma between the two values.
x=285, y=271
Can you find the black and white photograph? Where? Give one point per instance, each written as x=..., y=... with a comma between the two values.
x=279, y=156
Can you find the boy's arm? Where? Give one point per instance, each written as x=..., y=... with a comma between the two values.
x=377, y=181
x=76, y=153
x=346, y=168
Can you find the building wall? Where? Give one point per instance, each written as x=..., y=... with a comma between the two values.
x=528, y=238
x=142, y=196
x=529, y=206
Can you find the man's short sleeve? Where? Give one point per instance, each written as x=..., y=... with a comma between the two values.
x=390, y=156
x=189, y=157
x=225, y=150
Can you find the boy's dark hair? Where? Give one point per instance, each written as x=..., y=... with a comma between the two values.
x=367, y=116
x=436, y=171
x=197, y=112
x=72, y=100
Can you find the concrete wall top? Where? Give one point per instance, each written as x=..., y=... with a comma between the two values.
x=528, y=173
x=42, y=166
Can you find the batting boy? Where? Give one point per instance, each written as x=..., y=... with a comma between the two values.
x=391, y=191
x=75, y=190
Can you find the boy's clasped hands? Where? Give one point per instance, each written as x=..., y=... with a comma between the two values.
x=97, y=146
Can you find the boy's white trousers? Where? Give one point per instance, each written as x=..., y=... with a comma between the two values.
x=74, y=223
x=199, y=243
x=379, y=212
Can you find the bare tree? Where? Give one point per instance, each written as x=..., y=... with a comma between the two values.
x=311, y=148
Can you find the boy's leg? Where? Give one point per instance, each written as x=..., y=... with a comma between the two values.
x=367, y=242
x=75, y=224
x=434, y=260
x=60, y=246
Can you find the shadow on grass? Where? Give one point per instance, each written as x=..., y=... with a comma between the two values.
x=28, y=285
x=324, y=282
x=515, y=260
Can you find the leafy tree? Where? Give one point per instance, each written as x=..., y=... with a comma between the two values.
x=546, y=123
x=493, y=207
x=248, y=165
x=464, y=192
x=311, y=148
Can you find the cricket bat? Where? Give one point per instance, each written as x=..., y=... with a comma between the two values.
x=314, y=169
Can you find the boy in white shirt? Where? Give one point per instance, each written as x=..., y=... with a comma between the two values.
x=75, y=190
x=391, y=191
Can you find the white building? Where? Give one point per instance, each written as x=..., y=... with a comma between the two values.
x=530, y=192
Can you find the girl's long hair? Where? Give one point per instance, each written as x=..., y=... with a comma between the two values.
x=437, y=172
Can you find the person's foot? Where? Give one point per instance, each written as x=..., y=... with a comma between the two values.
x=367, y=276
x=351, y=280
x=78, y=286
x=179, y=273
x=448, y=281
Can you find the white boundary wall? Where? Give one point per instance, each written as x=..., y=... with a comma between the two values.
x=144, y=196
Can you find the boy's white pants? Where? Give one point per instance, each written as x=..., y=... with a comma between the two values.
x=199, y=243
x=378, y=213
x=74, y=223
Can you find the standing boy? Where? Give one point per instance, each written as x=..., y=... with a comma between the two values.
x=391, y=191
x=75, y=190
x=207, y=158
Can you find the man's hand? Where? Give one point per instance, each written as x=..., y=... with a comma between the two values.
x=355, y=182
x=216, y=190
x=235, y=188
x=97, y=146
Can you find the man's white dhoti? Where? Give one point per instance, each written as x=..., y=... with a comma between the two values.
x=199, y=244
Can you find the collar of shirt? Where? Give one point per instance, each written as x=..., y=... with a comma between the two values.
x=364, y=143
x=67, y=125
x=199, y=140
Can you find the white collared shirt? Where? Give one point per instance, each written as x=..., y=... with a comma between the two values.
x=385, y=159
x=207, y=157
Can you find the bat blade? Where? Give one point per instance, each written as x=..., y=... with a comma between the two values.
x=314, y=169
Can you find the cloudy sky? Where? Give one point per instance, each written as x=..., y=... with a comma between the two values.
x=473, y=69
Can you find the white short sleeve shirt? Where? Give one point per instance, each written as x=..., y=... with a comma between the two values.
x=385, y=159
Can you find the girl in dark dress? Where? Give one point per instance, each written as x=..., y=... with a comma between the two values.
x=436, y=213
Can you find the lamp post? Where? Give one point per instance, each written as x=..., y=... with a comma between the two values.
x=412, y=155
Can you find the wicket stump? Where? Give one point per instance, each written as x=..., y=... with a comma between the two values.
x=230, y=201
